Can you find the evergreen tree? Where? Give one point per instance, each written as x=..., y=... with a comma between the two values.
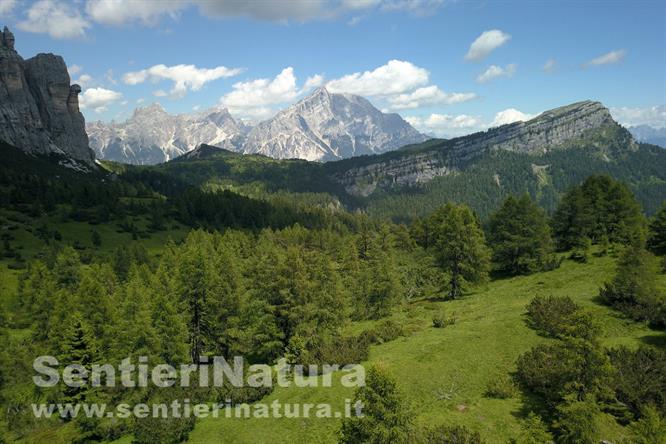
x=577, y=422
x=600, y=207
x=66, y=268
x=95, y=298
x=37, y=294
x=78, y=347
x=135, y=333
x=380, y=286
x=168, y=318
x=520, y=237
x=385, y=415
x=657, y=238
x=650, y=429
x=194, y=294
x=634, y=288
x=96, y=238
x=460, y=247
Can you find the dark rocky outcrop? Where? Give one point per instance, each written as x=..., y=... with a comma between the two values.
x=39, y=109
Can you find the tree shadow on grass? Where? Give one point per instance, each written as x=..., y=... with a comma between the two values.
x=657, y=340
x=530, y=403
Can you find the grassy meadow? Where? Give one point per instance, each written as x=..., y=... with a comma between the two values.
x=445, y=372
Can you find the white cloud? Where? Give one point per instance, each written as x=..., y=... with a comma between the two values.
x=98, y=99
x=84, y=80
x=654, y=116
x=446, y=125
x=396, y=77
x=418, y=8
x=119, y=12
x=109, y=77
x=59, y=20
x=305, y=10
x=140, y=101
x=486, y=43
x=359, y=4
x=298, y=10
x=185, y=77
x=354, y=20
x=510, y=115
x=428, y=96
x=495, y=71
x=608, y=58
x=550, y=65
x=313, y=82
x=74, y=69
x=254, y=98
x=160, y=93
x=7, y=6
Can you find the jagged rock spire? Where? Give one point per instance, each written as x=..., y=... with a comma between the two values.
x=7, y=39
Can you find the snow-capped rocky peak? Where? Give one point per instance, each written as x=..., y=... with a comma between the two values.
x=327, y=126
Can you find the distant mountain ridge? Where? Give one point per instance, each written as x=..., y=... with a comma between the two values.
x=321, y=127
x=153, y=136
x=648, y=134
x=555, y=129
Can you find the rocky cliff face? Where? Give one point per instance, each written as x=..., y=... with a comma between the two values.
x=39, y=109
x=555, y=129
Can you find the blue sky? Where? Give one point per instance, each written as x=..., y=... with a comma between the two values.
x=425, y=59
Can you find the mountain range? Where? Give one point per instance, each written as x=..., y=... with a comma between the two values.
x=542, y=157
x=153, y=136
x=321, y=127
x=648, y=134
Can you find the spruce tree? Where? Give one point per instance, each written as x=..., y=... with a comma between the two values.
x=78, y=347
x=657, y=236
x=168, y=318
x=600, y=206
x=634, y=289
x=520, y=237
x=460, y=247
x=385, y=414
x=135, y=333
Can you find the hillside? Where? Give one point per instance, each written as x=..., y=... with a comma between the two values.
x=542, y=157
x=445, y=372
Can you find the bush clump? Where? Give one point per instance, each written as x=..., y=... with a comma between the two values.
x=560, y=316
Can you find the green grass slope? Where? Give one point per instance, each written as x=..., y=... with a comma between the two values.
x=445, y=372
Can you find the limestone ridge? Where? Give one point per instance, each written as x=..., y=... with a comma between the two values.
x=39, y=109
x=556, y=129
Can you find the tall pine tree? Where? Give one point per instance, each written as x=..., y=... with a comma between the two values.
x=520, y=237
x=460, y=247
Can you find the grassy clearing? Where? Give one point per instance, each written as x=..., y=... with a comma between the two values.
x=445, y=372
